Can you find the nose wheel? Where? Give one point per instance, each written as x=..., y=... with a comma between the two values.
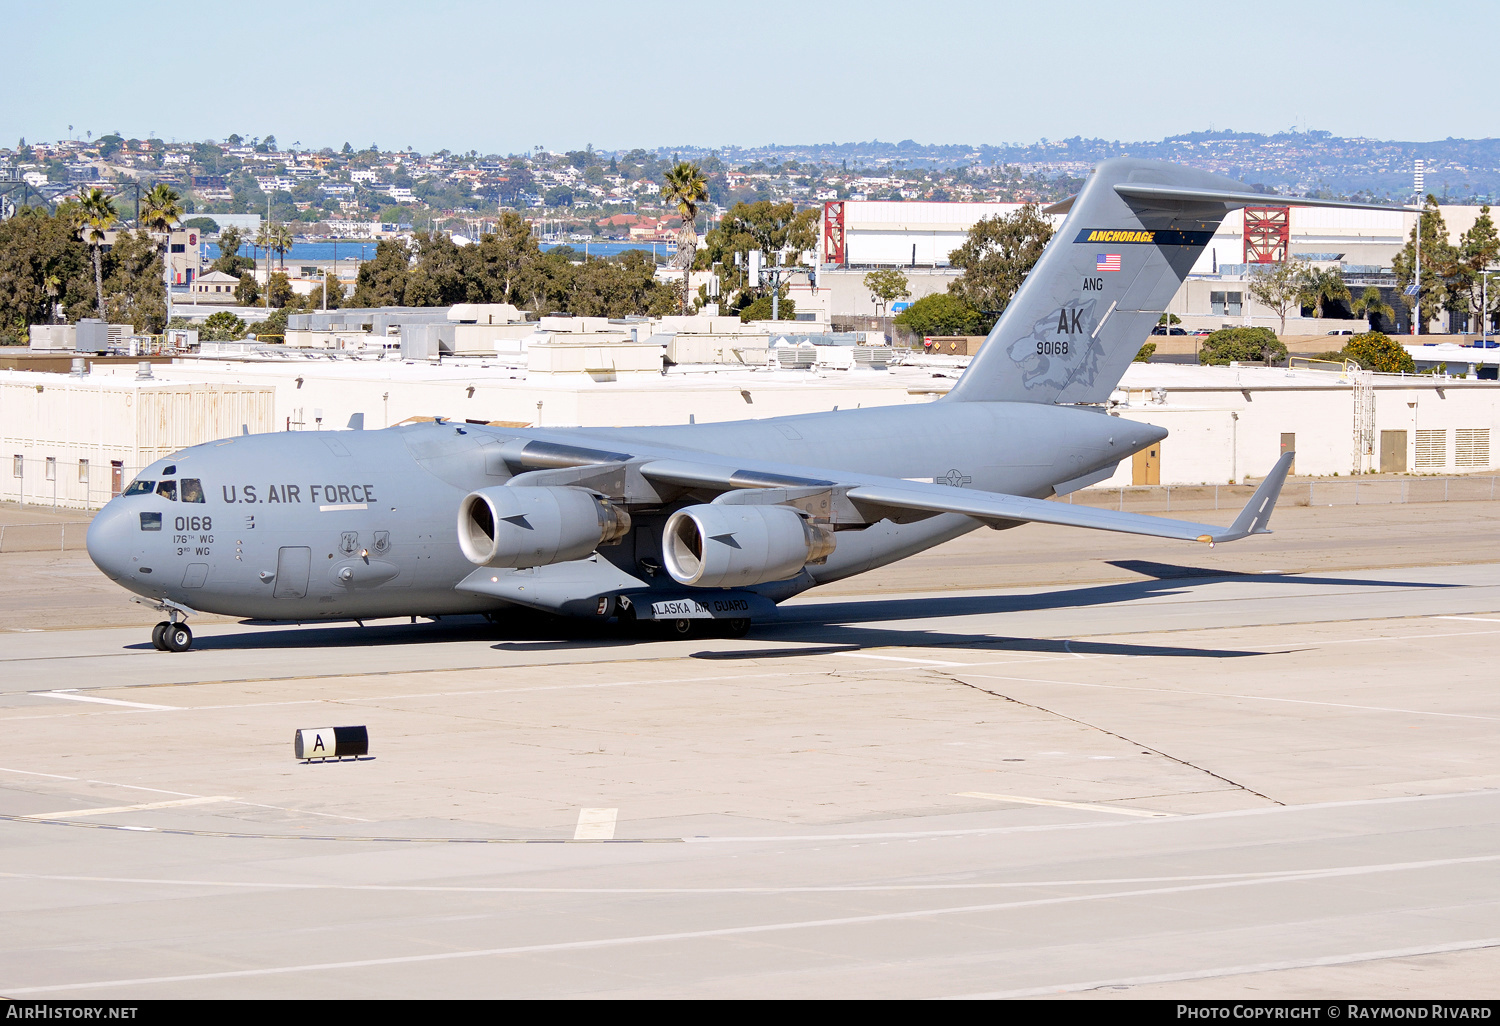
x=172, y=637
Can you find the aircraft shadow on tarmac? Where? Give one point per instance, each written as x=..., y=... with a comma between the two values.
x=1165, y=580
x=833, y=623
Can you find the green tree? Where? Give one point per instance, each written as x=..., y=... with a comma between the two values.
x=1438, y=259
x=133, y=292
x=616, y=287
x=279, y=290
x=329, y=295
x=1243, y=345
x=97, y=216
x=247, y=292
x=1478, y=249
x=43, y=262
x=772, y=228
x=685, y=187
x=941, y=313
x=1145, y=353
x=230, y=261
x=382, y=279
x=273, y=328
x=222, y=327
x=161, y=208
x=1278, y=287
x=996, y=258
x=760, y=308
x=1320, y=286
x=886, y=286
x=503, y=257
x=440, y=274
x=1378, y=352
x=1372, y=306
x=279, y=240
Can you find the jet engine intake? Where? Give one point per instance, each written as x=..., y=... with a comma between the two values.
x=534, y=526
x=737, y=546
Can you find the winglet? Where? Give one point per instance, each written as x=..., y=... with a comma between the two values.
x=1257, y=512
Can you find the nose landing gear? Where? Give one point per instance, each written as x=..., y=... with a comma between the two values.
x=172, y=637
x=172, y=634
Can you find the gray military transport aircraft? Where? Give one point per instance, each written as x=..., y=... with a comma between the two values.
x=696, y=526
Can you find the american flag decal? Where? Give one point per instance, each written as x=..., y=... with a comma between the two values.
x=1107, y=262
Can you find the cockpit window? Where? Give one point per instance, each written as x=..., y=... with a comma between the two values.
x=170, y=470
x=139, y=487
x=150, y=521
x=167, y=490
x=192, y=490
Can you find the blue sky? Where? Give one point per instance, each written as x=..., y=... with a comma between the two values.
x=505, y=77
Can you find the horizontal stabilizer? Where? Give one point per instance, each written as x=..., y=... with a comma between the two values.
x=1164, y=197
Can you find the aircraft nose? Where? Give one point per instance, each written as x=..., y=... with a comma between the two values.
x=111, y=537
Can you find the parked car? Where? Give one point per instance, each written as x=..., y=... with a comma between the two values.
x=1204, y=331
x=1346, y=331
x=1162, y=329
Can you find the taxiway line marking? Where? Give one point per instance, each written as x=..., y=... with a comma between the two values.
x=143, y=807
x=897, y=659
x=596, y=825
x=1270, y=876
x=69, y=696
x=1246, y=698
x=1241, y=970
x=698, y=935
x=1142, y=813
x=34, y=773
x=1478, y=619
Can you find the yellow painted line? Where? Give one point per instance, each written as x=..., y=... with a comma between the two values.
x=144, y=807
x=1142, y=813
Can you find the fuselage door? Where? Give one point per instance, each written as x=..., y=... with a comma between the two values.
x=293, y=564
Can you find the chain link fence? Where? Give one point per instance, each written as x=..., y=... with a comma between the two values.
x=42, y=537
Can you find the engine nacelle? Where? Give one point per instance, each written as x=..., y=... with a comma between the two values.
x=531, y=526
x=737, y=546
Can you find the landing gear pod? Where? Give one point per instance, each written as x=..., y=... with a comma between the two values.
x=521, y=527
x=331, y=743
x=737, y=546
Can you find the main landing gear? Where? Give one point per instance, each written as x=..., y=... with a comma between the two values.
x=684, y=628
x=172, y=637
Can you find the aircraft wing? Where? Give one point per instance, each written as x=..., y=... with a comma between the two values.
x=921, y=497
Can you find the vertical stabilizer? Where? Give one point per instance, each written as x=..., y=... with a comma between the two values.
x=1082, y=314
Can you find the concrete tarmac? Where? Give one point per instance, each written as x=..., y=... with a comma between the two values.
x=1265, y=770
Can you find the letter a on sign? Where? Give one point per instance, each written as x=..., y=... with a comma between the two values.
x=318, y=743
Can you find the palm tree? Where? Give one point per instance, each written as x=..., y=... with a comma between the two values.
x=274, y=238
x=96, y=213
x=1321, y=285
x=685, y=186
x=1372, y=306
x=161, y=208
x=282, y=241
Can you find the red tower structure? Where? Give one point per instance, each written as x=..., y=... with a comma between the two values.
x=1268, y=230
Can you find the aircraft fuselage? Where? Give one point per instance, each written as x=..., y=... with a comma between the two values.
x=362, y=524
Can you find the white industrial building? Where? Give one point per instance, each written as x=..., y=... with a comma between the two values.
x=78, y=440
x=858, y=236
